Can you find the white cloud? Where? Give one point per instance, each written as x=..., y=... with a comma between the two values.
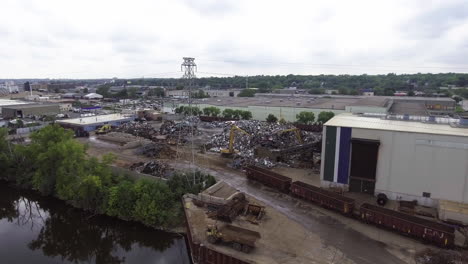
x=91, y=39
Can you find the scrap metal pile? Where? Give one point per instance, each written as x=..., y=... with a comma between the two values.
x=170, y=131
x=156, y=168
x=157, y=151
x=180, y=131
x=138, y=129
x=262, y=134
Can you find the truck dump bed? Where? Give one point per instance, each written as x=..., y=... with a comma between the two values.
x=239, y=234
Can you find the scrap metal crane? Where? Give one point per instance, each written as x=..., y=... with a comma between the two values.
x=229, y=151
x=296, y=131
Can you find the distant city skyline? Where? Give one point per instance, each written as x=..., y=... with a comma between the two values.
x=143, y=38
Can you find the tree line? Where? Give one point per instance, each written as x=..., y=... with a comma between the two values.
x=383, y=84
x=54, y=164
x=305, y=118
x=214, y=112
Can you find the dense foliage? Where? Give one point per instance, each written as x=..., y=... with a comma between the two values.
x=247, y=93
x=271, y=118
x=382, y=84
x=324, y=116
x=55, y=164
x=211, y=111
x=188, y=110
x=237, y=114
x=305, y=117
x=200, y=94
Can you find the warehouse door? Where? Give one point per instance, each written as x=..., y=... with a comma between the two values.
x=364, y=154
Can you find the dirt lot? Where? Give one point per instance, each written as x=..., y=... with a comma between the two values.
x=325, y=231
x=282, y=240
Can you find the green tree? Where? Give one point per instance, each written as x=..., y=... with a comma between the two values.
x=158, y=92
x=410, y=93
x=104, y=90
x=211, y=111
x=247, y=93
x=85, y=90
x=323, y=117
x=200, y=94
x=6, y=154
x=180, y=87
x=305, y=117
x=228, y=113
x=277, y=86
x=246, y=115
x=343, y=90
x=236, y=114
x=271, y=118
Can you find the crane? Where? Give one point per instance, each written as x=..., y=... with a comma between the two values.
x=229, y=151
x=296, y=131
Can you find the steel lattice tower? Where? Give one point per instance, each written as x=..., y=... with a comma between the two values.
x=189, y=67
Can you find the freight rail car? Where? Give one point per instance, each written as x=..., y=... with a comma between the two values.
x=436, y=233
x=269, y=178
x=323, y=197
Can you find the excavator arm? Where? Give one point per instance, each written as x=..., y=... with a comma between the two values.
x=232, y=136
x=296, y=131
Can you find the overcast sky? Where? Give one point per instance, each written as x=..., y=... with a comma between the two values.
x=136, y=38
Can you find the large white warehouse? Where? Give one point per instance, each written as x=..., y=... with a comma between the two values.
x=408, y=160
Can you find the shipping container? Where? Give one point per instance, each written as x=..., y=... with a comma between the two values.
x=436, y=233
x=268, y=178
x=323, y=197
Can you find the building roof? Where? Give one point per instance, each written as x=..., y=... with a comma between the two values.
x=93, y=95
x=83, y=121
x=8, y=102
x=29, y=106
x=354, y=121
x=376, y=101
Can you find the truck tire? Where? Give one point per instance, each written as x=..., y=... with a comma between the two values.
x=382, y=199
x=237, y=246
x=212, y=239
x=246, y=248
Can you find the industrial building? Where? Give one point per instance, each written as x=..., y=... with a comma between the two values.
x=24, y=110
x=288, y=106
x=8, y=102
x=91, y=123
x=423, y=160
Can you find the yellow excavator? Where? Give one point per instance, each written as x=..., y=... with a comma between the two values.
x=296, y=131
x=230, y=151
x=104, y=129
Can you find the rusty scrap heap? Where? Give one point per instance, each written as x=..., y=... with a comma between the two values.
x=262, y=134
x=156, y=168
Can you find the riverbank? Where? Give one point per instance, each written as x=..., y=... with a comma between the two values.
x=56, y=165
x=38, y=229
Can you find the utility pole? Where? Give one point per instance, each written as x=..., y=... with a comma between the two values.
x=189, y=67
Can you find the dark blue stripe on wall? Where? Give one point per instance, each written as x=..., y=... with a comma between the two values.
x=344, y=155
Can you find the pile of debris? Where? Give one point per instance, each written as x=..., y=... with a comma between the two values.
x=261, y=134
x=157, y=151
x=155, y=168
x=138, y=129
x=431, y=256
x=179, y=130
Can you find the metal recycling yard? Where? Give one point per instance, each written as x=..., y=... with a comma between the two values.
x=270, y=156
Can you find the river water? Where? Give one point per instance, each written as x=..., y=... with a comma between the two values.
x=35, y=229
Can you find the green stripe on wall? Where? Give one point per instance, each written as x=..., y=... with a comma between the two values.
x=330, y=147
